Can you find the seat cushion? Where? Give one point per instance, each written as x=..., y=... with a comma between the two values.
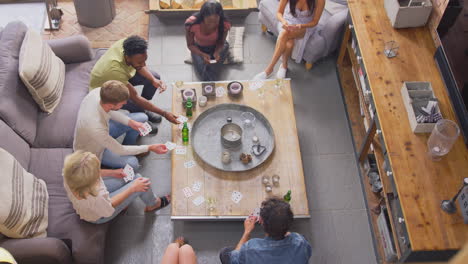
x=17, y=107
x=41, y=71
x=23, y=210
x=56, y=130
x=87, y=240
x=14, y=144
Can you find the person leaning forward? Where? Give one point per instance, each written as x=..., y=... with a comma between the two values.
x=125, y=61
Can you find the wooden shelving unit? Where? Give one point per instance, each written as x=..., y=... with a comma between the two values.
x=412, y=184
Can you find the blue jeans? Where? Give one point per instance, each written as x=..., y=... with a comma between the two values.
x=209, y=72
x=148, y=91
x=116, y=129
x=115, y=186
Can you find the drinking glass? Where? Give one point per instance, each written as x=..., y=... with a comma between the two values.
x=202, y=101
x=279, y=86
x=442, y=138
x=248, y=119
x=211, y=203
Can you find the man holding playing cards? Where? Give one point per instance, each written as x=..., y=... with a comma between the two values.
x=279, y=245
x=125, y=61
x=94, y=134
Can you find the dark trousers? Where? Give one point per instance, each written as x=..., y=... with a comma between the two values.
x=225, y=255
x=209, y=72
x=148, y=91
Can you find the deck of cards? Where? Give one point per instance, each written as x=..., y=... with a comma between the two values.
x=236, y=196
x=146, y=129
x=130, y=174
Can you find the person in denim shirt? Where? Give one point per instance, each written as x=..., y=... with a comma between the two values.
x=278, y=246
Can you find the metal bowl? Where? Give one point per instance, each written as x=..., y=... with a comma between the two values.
x=231, y=135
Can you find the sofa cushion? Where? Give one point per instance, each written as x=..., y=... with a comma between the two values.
x=87, y=240
x=24, y=206
x=56, y=130
x=14, y=144
x=17, y=108
x=41, y=71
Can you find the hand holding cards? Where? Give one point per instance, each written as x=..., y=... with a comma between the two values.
x=146, y=129
x=130, y=174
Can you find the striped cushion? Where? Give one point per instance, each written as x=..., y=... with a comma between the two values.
x=41, y=71
x=24, y=201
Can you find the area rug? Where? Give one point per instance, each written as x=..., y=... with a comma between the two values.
x=130, y=20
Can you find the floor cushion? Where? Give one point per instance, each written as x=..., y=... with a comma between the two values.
x=24, y=206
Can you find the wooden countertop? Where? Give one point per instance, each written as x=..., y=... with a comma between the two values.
x=422, y=184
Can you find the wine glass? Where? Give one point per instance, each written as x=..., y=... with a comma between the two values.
x=279, y=86
x=248, y=119
x=442, y=138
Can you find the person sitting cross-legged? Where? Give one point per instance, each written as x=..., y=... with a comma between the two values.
x=279, y=245
x=125, y=61
x=98, y=196
x=94, y=132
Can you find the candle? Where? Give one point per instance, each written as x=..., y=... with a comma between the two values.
x=235, y=88
x=208, y=89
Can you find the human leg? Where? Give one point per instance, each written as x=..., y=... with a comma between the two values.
x=148, y=88
x=171, y=255
x=187, y=255
x=131, y=135
x=287, y=52
x=115, y=161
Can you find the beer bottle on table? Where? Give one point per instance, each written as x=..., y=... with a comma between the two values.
x=189, y=107
x=185, y=134
x=287, y=196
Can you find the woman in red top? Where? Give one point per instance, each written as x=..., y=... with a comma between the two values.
x=206, y=33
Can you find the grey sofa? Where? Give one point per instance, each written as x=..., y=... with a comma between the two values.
x=326, y=38
x=40, y=142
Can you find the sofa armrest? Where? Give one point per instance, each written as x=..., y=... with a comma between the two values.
x=46, y=250
x=331, y=30
x=72, y=49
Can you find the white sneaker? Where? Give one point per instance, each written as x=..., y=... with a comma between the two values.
x=261, y=76
x=281, y=74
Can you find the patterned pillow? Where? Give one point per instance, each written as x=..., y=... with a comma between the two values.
x=25, y=201
x=41, y=71
x=235, y=38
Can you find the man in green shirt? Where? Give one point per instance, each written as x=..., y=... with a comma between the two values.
x=125, y=61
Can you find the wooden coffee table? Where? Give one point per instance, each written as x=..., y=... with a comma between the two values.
x=218, y=185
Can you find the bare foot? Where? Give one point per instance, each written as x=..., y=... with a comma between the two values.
x=157, y=205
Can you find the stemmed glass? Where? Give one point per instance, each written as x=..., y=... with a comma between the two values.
x=279, y=86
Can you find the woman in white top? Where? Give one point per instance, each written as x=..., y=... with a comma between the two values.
x=298, y=20
x=98, y=200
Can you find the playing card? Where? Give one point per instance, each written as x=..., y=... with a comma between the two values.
x=182, y=119
x=254, y=85
x=181, y=150
x=189, y=164
x=130, y=174
x=220, y=91
x=146, y=129
x=196, y=186
x=236, y=196
x=256, y=212
x=187, y=192
x=170, y=145
x=199, y=200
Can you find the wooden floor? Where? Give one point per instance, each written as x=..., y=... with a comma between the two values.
x=130, y=19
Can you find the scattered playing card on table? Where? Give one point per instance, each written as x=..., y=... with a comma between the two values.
x=189, y=164
x=128, y=171
x=181, y=150
x=187, y=192
x=220, y=91
x=146, y=129
x=182, y=119
x=236, y=196
x=196, y=186
x=170, y=145
x=199, y=200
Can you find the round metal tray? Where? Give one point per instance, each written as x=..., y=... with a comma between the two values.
x=206, y=137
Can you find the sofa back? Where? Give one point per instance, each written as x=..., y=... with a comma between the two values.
x=17, y=108
x=15, y=145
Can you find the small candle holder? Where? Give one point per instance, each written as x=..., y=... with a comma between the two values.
x=235, y=89
x=208, y=89
x=231, y=135
x=391, y=49
x=189, y=93
x=202, y=101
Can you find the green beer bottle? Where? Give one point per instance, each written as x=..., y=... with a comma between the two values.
x=185, y=134
x=189, y=107
x=287, y=196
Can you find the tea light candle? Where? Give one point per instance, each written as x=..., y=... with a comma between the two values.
x=235, y=88
x=208, y=89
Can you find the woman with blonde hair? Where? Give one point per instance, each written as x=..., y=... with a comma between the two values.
x=99, y=195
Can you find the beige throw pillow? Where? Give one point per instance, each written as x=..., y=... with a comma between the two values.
x=25, y=201
x=41, y=71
